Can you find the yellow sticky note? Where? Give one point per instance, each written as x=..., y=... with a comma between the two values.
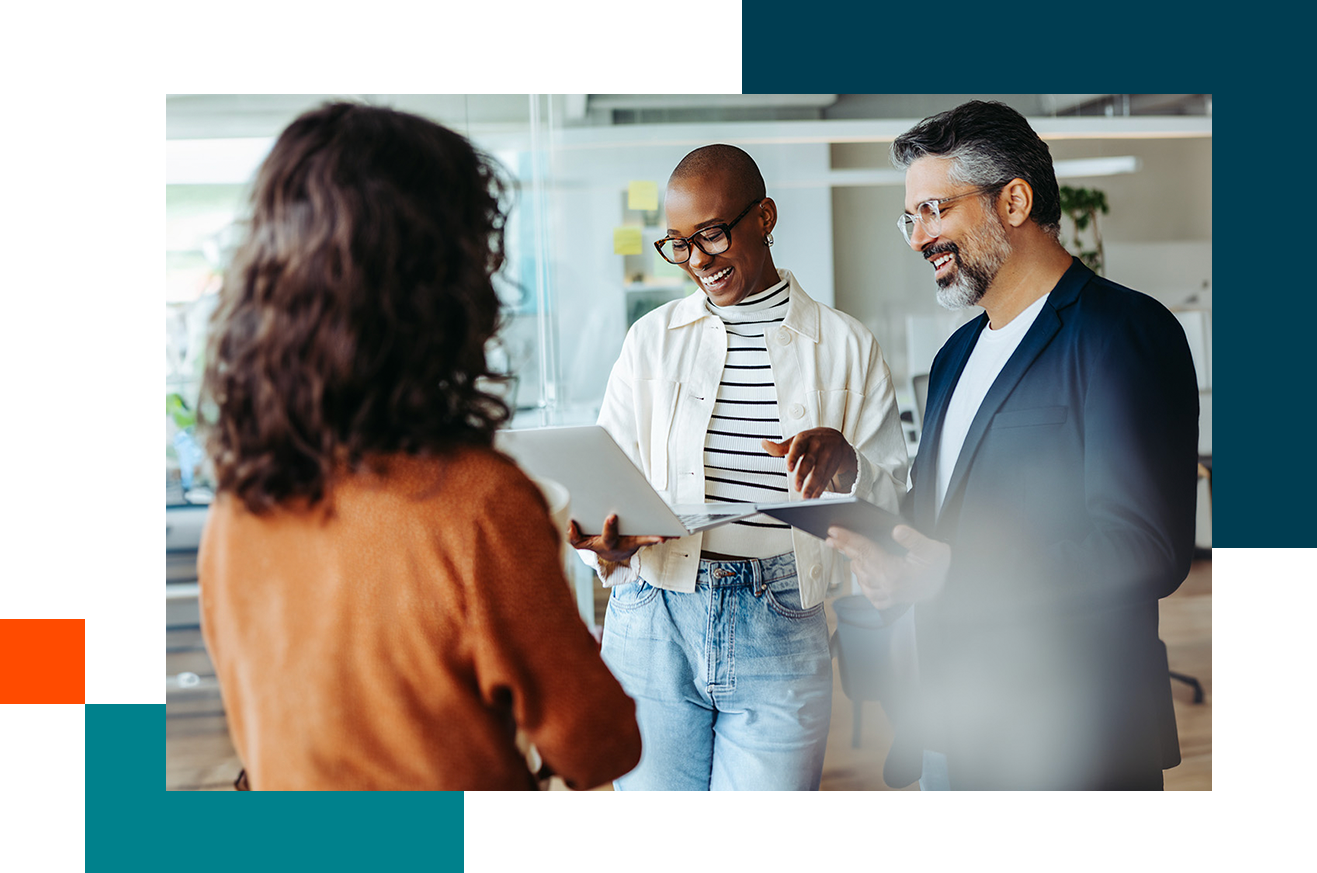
x=642, y=196
x=626, y=241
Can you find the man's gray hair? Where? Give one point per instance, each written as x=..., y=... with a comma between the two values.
x=988, y=144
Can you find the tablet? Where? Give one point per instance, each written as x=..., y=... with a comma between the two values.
x=852, y=513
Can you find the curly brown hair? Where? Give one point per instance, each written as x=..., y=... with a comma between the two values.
x=353, y=319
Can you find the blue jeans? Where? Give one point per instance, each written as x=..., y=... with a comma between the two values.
x=732, y=683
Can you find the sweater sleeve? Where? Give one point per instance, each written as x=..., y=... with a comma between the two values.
x=531, y=651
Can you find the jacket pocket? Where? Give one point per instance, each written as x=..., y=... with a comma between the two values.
x=1031, y=417
x=658, y=399
x=831, y=409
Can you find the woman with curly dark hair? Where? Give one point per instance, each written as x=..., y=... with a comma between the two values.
x=382, y=593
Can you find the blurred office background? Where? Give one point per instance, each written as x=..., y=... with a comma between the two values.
x=589, y=172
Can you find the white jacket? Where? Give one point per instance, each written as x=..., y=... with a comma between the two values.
x=828, y=371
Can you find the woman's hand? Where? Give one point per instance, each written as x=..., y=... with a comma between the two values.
x=609, y=545
x=821, y=459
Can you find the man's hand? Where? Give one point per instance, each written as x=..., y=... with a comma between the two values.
x=608, y=545
x=821, y=459
x=889, y=580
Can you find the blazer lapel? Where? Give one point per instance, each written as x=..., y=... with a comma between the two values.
x=1035, y=340
x=939, y=395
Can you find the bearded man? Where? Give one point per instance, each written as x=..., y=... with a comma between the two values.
x=1054, y=486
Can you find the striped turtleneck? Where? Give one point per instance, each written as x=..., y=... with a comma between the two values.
x=736, y=467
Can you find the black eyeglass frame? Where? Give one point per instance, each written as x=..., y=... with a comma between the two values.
x=695, y=237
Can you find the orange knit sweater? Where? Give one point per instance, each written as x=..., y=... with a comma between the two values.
x=398, y=634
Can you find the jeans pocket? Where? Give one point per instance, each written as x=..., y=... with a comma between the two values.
x=631, y=595
x=784, y=599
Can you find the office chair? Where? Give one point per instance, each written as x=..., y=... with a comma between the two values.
x=1191, y=682
x=863, y=646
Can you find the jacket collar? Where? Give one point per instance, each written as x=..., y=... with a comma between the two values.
x=802, y=313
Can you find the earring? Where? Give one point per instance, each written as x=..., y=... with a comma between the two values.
x=768, y=240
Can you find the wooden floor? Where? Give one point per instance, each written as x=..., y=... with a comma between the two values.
x=199, y=756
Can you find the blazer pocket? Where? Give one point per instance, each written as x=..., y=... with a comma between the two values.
x=1031, y=417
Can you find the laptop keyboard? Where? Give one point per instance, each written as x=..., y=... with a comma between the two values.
x=695, y=519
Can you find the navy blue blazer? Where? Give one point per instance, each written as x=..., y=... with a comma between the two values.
x=1070, y=512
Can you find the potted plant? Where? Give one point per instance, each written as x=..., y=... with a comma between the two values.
x=1082, y=206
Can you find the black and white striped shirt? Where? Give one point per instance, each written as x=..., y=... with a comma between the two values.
x=736, y=467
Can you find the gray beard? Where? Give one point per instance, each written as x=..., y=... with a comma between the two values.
x=973, y=278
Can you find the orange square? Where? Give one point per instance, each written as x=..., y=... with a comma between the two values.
x=43, y=660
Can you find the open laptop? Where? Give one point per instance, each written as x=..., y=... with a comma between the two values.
x=602, y=480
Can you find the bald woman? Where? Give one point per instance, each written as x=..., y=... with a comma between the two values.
x=749, y=392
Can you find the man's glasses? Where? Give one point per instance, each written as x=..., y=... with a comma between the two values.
x=929, y=214
x=712, y=240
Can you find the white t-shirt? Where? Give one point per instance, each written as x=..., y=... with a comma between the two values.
x=991, y=352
